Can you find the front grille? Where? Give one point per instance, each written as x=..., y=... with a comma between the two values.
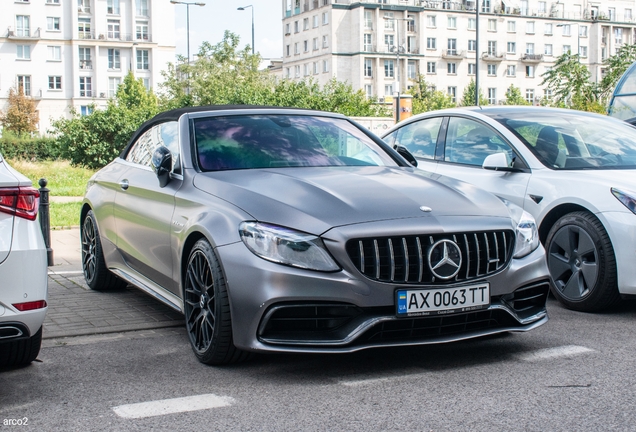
x=404, y=260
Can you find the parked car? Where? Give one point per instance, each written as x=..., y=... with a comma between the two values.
x=575, y=172
x=23, y=270
x=298, y=231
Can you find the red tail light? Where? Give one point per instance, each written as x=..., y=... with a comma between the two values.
x=20, y=201
x=22, y=307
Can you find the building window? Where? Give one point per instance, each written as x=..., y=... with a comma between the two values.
x=612, y=13
x=530, y=27
x=368, y=90
x=512, y=26
x=388, y=89
x=368, y=19
x=143, y=59
x=325, y=41
x=618, y=36
x=84, y=28
x=287, y=29
x=388, y=41
x=55, y=82
x=492, y=48
x=325, y=18
x=389, y=21
x=288, y=50
x=547, y=29
x=566, y=30
x=316, y=45
x=112, y=7
x=542, y=8
x=492, y=25
x=114, y=59
x=53, y=1
x=316, y=68
x=113, y=27
x=492, y=95
x=492, y=70
x=431, y=43
x=530, y=48
x=85, y=58
x=86, y=110
x=471, y=68
x=368, y=45
x=113, y=84
x=388, y=69
x=141, y=30
x=84, y=6
x=472, y=45
x=567, y=49
x=142, y=8
x=24, y=83
x=431, y=21
x=23, y=52
x=325, y=66
x=314, y=21
x=306, y=69
x=368, y=68
x=287, y=72
x=22, y=25
x=296, y=48
x=54, y=52
x=530, y=96
x=628, y=14
x=471, y=24
x=86, y=87
x=452, y=46
x=410, y=23
x=52, y=23
x=411, y=70
x=452, y=92
x=583, y=31
x=431, y=67
x=306, y=24
x=511, y=70
x=297, y=71
x=452, y=23
x=512, y=48
x=451, y=68
x=583, y=51
x=296, y=28
x=547, y=50
x=306, y=46
x=529, y=71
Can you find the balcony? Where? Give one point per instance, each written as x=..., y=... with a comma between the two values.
x=492, y=57
x=86, y=64
x=532, y=58
x=453, y=54
x=85, y=35
x=86, y=93
x=369, y=48
x=23, y=34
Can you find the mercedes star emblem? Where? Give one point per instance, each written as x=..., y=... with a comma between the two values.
x=445, y=259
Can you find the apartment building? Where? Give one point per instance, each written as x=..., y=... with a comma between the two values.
x=382, y=46
x=74, y=53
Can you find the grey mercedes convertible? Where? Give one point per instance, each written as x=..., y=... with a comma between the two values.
x=287, y=230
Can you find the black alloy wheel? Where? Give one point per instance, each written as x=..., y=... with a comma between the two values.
x=581, y=263
x=96, y=274
x=207, y=308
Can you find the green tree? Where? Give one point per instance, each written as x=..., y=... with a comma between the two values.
x=615, y=67
x=21, y=117
x=96, y=139
x=468, y=98
x=514, y=96
x=426, y=98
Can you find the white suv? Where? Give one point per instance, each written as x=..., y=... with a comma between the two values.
x=23, y=270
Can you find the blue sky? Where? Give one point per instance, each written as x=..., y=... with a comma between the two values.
x=209, y=22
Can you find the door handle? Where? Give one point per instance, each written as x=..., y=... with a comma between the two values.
x=123, y=184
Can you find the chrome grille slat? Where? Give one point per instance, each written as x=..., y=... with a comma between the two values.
x=483, y=253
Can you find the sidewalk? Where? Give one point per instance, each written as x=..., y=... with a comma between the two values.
x=74, y=309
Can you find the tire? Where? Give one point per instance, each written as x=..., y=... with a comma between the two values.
x=207, y=308
x=96, y=274
x=20, y=352
x=582, y=264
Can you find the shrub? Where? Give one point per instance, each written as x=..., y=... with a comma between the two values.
x=26, y=147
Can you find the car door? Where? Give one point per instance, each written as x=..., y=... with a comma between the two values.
x=467, y=143
x=143, y=210
x=421, y=138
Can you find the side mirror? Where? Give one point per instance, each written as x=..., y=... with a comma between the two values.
x=406, y=154
x=161, y=164
x=497, y=162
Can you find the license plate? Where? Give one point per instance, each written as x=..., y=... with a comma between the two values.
x=441, y=301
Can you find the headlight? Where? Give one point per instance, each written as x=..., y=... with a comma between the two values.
x=527, y=234
x=287, y=246
x=626, y=199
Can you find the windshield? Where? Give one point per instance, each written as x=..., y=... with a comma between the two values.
x=575, y=141
x=278, y=141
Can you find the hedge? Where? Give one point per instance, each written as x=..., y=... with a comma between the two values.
x=28, y=148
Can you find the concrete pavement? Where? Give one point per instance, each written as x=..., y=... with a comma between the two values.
x=75, y=309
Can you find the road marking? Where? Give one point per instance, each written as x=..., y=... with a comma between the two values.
x=551, y=353
x=370, y=381
x=172, y=406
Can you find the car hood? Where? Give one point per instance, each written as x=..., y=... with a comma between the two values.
x=315, y=199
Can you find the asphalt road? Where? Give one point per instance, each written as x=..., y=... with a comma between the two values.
x=574, y=373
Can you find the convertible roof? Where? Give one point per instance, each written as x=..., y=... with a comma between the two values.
x=173, y=115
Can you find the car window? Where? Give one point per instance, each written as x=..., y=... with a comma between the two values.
x=420, y=137
x=164, y=134
x=470, y=142
x=278, y=141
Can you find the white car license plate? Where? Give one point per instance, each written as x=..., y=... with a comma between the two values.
x=440, y=301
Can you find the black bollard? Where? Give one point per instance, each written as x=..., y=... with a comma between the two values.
x=45, y=219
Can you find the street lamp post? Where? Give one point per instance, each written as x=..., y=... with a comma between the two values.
x=397, y=48
x=578, y=36
x=477, y=5
x=243, y=8
x=187, y=19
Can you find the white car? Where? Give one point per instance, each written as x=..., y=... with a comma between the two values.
x=23, y=270
x=575, y=172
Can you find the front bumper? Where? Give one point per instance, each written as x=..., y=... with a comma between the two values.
x=280, y=308
x=621, y=227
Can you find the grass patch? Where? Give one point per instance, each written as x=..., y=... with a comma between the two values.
x=65, y=214
x=63, y=179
